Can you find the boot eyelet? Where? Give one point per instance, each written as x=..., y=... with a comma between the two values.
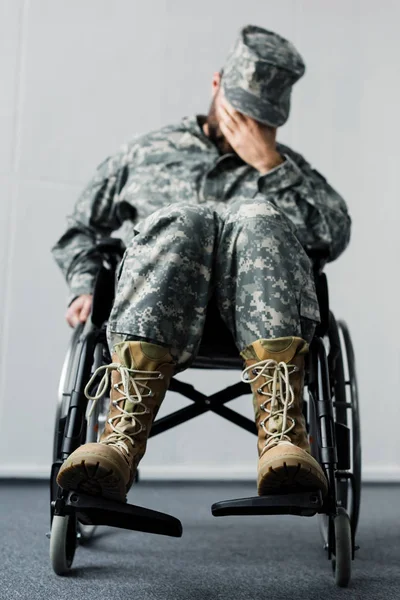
x=259, y=391
x=255, y=372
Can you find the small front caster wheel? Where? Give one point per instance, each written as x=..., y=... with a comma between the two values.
x=343, y=554
x=63, y=541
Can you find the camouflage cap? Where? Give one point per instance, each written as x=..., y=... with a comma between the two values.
x=259, y=73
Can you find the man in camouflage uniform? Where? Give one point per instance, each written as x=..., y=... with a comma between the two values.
x=219, y=208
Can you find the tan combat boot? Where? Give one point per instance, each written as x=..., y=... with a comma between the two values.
x=140, y=376
x=275, y=371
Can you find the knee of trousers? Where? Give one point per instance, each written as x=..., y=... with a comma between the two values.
x=257, y=220
x=243, y=212
x=260, y=235
x=191, y=220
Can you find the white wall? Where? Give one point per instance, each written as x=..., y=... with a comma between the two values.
x=79, y=77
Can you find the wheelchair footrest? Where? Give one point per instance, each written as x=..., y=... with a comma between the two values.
x=305, y=504
x=93, y=510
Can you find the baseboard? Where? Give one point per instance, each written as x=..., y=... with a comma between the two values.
x=149, y=473
x=371, y=474
x=24, y=472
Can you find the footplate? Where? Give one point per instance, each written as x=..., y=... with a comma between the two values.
x=304, y=504
x=93, y=510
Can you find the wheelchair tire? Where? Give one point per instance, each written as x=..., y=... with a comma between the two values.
x=341, y=410
x=342, y=374
x=86, y=532
x=63, y=529
x=342, y=559
x=63, y=541
x=64, y=389
x=356, y=466
x=347, y=413
x=64, y=394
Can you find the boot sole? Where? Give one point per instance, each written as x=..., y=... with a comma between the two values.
x=91, y=476
x=291, y=475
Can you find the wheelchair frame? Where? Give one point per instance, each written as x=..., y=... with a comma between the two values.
x=332, y=395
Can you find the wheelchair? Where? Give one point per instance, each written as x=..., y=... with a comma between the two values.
x=330, y=405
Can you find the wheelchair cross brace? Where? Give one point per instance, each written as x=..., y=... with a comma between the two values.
x=202, y=404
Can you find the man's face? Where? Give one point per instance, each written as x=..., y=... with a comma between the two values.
x=214, y=132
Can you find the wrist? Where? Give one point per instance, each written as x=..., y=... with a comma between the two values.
x=269, y=162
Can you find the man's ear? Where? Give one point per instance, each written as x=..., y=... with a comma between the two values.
x=216, y=82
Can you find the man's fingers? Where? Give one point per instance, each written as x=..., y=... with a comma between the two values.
x=227, y=123
x=228, y=133
x=229, y=117
x=71, y=318
x=85, y=312
x=228, y=114
x=235, y=115
x=79, y=310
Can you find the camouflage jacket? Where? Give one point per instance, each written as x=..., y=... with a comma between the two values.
x=180, y=164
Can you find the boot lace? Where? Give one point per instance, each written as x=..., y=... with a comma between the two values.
x=141, y=391
x=279, y=395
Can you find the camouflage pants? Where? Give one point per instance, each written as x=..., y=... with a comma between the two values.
x=246, y=253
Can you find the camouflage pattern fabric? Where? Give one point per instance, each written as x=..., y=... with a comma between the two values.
x=259, y=74
x=248, y=256
x=180, y=164
x=264, y=280
x=245, y=232
x=165, y=280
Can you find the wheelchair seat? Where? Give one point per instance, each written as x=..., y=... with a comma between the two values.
x=217, y=352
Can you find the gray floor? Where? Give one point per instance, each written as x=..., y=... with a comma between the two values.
x=240, y=558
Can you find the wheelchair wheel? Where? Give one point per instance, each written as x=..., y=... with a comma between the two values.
x=86, y=532
x=63, y=542
x=65, y=389
x=345, y=397
x=343, y=553
x=341, y=412
x=352, y=398
x=66, y=531
x=64, y=396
